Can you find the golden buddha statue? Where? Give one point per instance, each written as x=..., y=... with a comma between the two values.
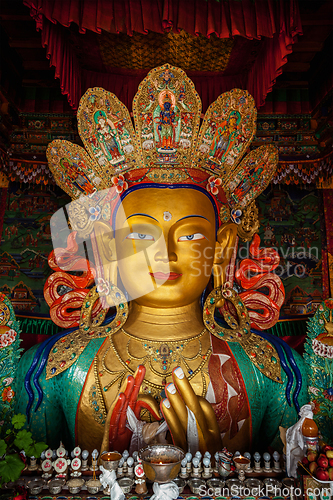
x=165, y=219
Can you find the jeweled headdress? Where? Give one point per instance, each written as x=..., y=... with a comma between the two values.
x=166, y=147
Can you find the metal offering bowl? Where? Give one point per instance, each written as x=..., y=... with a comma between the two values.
x=110, y=460
x=254, y=485
x=93, y=486
x=270, y=481
x=55, y=485
x=181, y=483
x=126, y=484
x=35, y=486
x=161, y=463
x=75, y=485
x=196, y=484
x=241, y=462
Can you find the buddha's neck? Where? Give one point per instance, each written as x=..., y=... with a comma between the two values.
x=167, y=323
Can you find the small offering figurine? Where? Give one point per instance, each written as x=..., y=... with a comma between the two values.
x=61, y=466
x=257, y=458
x=140, y=479
x=33, y=464
x=206, y=468
x=276, y=458
x=76, y=462
x=76, y=466
x=199, y=456
x=47, y=464
x=94, y=457
x=188, y=457
x=85, y=455
x=61, y=452
x=195, y=463
x=47, y=468
x=125, y=457
x=130, y=463
x=267, y=462
x=120, y=469
x=183, y=470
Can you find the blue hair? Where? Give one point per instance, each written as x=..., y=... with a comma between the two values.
x=284, y=351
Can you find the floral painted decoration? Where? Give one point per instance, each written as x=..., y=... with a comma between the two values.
x=213, y=183
x=7, y=394
x=95, y=213
x=103, y=286
x=319, y=358
x=9, y=357
x=120, y=183
x=328, y=393
x=235, y=215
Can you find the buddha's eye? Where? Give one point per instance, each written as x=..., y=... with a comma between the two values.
x=191, y=237
x=140, y=236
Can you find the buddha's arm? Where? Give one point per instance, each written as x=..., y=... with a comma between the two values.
x=47, y=423
x=278, y=412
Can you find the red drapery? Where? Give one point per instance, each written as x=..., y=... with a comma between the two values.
x=276, y=22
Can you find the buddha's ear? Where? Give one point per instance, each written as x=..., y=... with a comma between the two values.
x=225, y=244
x=104, y=238
x=106, y=258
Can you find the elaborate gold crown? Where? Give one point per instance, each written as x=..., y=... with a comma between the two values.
x=165, y=147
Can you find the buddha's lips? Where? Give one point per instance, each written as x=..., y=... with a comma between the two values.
x=165, y=276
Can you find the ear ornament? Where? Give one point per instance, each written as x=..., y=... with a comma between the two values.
x=67, y=349
x=262, y=354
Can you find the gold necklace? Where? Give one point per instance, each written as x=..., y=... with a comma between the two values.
x=158, y=354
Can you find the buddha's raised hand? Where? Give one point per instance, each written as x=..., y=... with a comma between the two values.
x=117, y=435
x=180, y=399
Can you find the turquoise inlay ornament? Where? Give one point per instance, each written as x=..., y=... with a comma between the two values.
x=319, y=359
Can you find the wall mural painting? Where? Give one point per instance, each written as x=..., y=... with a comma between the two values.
x=290, y=222
x=25, y=246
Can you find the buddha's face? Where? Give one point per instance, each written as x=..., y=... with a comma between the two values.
x=165, y=243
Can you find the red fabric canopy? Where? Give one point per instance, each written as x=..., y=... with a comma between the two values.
x=275, y=22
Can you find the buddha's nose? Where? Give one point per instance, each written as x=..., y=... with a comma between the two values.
x=166, y=252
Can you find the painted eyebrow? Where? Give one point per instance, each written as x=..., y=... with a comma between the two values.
x=198, y=216
x=144, y=215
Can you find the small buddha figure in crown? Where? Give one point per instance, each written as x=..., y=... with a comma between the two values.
x=157, y=330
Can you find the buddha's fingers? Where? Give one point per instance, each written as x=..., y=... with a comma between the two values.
x=115, y=417
x=106, y=436
x=177, y=404
x=212, y=423
x=192, y=402
x=139, y=376
x=123, y=413
x=175, y=427
x=149, y=403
